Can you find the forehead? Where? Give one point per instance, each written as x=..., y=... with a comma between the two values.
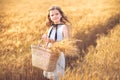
x=54, y=11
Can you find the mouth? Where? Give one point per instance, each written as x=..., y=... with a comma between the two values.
x=55, y=19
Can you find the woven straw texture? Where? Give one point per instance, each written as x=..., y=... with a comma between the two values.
x=43, y=58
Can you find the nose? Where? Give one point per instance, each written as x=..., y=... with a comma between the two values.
x=55, y=16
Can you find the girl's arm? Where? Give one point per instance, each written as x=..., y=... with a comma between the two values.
x=66, y=34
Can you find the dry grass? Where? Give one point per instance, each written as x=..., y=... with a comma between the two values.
x=102, y=62
x=95, y=26
x=67, y=46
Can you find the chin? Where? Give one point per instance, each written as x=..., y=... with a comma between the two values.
x=56, y=21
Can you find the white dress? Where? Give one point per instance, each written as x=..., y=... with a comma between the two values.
x=60, y=66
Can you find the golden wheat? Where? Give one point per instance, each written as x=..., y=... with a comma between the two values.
x=22, y=24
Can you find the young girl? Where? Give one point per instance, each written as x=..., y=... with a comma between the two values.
x=57, y=32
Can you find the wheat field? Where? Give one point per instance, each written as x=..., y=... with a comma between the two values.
x=95, y=26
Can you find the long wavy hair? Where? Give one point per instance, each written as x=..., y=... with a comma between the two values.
x=63, y=19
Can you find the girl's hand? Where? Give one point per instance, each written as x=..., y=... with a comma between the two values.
x=46, y=39
x=50, y=40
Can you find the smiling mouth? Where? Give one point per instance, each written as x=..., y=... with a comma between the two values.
x=55, y=19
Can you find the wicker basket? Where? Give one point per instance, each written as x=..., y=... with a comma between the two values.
x=43, y=58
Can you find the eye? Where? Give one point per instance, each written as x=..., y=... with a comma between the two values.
x=56, y=14
x=52, y=15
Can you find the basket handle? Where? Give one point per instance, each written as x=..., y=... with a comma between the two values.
x=45, y=45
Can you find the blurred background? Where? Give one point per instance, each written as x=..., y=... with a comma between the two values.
x=96, y=23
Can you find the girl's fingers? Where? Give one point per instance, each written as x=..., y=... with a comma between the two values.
x=44, y=36
x=46, y=39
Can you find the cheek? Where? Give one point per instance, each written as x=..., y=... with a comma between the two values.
x=59, y=16
x=52, y=18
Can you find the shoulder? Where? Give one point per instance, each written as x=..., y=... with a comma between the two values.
x=65, y=27
x=49, y=29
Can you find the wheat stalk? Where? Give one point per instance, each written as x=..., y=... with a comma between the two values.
x=67, y=46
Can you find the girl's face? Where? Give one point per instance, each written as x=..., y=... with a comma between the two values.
x=55, y=16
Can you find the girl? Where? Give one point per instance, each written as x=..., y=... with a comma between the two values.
x=57, y=32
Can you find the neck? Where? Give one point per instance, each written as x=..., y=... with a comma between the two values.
x=57, y=22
